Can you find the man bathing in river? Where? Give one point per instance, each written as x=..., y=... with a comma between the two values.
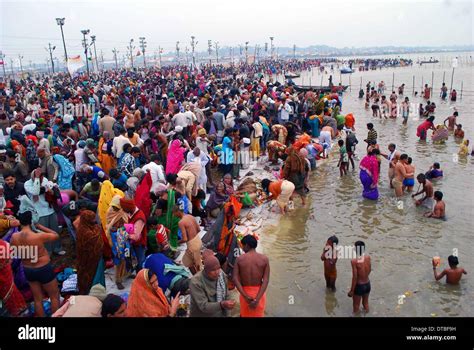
x=360, y=287
x=453, y=274
x=427, y=200
x=329, y=257
x=439, y=210
x=400, y=175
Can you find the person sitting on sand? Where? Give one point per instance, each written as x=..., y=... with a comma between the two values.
x=453, y=274
x=439, y=210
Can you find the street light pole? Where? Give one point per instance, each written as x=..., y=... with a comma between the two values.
x=131, y=47
x=209, y=50
x=271, y=46
x=216, y=44
x=60, y=22
x=294, y=51
x=177, y=51
x=95, y=52
x=51, y=49
x=2, y=58
x=143, y=46
x=160, y=51
x=20, y=57
x=193, y=45
x=246, y=52
x=115, y=52
x=86, y=47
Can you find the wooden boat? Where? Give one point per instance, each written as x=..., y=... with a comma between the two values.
x=291, y=76
x=335, y=88
x=430, y=61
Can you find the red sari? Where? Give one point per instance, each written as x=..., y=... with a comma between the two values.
x=9, y=293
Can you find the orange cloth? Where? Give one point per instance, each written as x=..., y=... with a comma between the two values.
x=275, y=188
x=245, y=309
x=144, y=300
x=349, y=121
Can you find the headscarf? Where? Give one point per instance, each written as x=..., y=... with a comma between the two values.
x=89, y=246
x=146, y=301
x=294, y=163
x=175, y=157
x=113, y=216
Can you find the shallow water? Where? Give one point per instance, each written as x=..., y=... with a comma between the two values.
x=400, y=242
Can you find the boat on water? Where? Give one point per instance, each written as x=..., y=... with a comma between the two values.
x=427, y=62
x=291, y=75
x=346, y=70
x=334, y=88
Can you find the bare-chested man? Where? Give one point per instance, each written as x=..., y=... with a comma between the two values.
x=453, y=274
x=360, y=288
x=427, y=200
x=439, y=210
x=251, y=277
x=400, y=175
x=451, y=121
x=190, y=235
x=392, y=158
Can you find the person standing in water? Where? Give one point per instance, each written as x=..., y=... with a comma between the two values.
x=439, y=210
x=360, y=287
x=453, y=274
x=329, y=258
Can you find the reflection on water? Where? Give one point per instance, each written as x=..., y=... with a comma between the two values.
x=400, y=241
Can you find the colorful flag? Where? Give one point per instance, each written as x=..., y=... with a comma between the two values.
x=74, y=64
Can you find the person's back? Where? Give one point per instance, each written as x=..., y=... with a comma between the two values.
x=453, y=273
x=252, y=268
x=106, y=123
x=27, y=239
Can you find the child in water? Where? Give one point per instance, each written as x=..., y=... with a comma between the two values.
x=344, y=159
x=453, y=274
x=329, y=257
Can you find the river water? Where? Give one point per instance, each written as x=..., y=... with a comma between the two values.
x=401, y=242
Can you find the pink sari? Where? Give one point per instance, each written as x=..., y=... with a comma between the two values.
x=175, y=157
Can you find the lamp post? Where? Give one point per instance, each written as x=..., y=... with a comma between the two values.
x=246, y=52
x=177, y=51
x=20, y=57
x=143, y=46
x=95, y=52
x=51, y=49
x=271, y=46
x=60, y=22
x=209, y=50
x=193, y=45
x=86, y=47
x=216, y=45
x=115, y=52
x=130, y=48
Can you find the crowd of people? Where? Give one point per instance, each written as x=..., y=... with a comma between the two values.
x=131, y=165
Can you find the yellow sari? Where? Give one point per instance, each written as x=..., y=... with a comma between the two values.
x=107, y=193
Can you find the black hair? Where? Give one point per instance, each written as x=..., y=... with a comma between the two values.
x=171, y=178
x=114, y=173
x=265, y=184
x=340, y=143
x=111, y=305
x=11, y=153
x=25, y=218
x=435, y=165
x=181, y=286
x=453, y=260
x=95, y=182
x=126, y=147
x=392, y=145
x=135, y=150
x=404, y=156
x=200, y=194
x=9, y=173
x=410, y=160
x=370, y=126
x=456, y=113
x=421, y=177
x=154, y=157
x=221, y=257
x=249, y=240
x=333, y=239
x=152, y=221
x=360, y=247
x=438, y=195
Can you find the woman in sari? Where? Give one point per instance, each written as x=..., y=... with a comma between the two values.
x=9, y=294
x=294, y=170
x=369, y=175
x=89, y=244
x=216, y=200
x=175, y=157
x=228, y=184
x=66, y=172
x=280, y=132
x=116, y=218
x=275, y=150
x=464, y=149
x=146, y=298
x=106, y=159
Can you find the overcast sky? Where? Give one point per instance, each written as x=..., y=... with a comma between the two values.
x=28, y=25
